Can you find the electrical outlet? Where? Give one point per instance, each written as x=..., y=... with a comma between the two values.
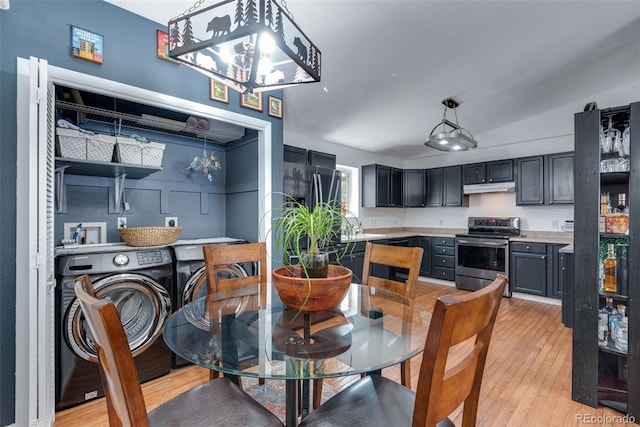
x=170, y=221
x=441, y=221
x=122, y=222
x=554, y=224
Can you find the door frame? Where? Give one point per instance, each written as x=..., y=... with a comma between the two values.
x=35, y=377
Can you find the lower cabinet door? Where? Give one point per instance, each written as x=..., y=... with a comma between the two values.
x=529, y=273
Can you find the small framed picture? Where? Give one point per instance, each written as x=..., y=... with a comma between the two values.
x=219, y=91
x=163, y=47
x=86, y=45
x=251, y=100
x=275, y=107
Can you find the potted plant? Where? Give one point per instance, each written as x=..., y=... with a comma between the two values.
x=308, y=236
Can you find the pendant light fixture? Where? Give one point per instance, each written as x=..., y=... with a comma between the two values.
x=250, y=45
x=452, y=136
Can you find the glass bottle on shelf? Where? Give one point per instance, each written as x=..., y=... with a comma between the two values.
x=614, y=322
x=622, y=203
x=611, y=311
x=610, y=282
x=622, y=335
x=603, y=328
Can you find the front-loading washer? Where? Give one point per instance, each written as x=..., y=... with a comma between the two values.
x=139, y=281
x=191, y=278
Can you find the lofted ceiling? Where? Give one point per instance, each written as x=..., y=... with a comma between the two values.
x=387, y=65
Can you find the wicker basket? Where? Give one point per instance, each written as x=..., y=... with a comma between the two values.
x=149, y=236
x=100, y=147
x=71, y=144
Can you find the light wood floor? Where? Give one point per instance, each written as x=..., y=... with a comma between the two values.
x=527, y=379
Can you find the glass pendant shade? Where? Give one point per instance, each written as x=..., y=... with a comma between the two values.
x=250, y=45
x=452, y=137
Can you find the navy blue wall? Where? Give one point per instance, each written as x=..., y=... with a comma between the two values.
x=42, y=29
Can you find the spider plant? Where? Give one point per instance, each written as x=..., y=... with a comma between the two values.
x=310, y=234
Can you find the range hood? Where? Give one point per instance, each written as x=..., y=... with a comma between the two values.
x=492, y=187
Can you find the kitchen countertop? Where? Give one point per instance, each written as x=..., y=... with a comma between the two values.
x=559, y=237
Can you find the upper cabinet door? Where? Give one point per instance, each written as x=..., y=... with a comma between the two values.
x=323, y=160
x=396, y=185
x=414, y=188
x=294, y=154
x=435, y=181
x=475, y=173
x=560, y=178
x=453, y=194
x=530, y=183
x=500, y=171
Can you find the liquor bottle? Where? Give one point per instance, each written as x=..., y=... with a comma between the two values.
x=603, y=328
x=615, y=320
x=622, y=335
x=610, y=282
x=611, y=311
x=622, y=203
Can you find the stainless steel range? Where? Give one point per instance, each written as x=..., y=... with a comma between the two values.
x=483, y=252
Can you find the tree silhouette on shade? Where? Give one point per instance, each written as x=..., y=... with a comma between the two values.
x=312, y=56
x=240, y=19
x=251, y=12
x=174, y=36
x=279, y=26
x=187, y=34
x=268, y=15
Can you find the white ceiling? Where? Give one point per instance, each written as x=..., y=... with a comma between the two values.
x=387, y=65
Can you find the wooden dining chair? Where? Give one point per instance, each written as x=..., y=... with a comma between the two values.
x=450, y=373
x=215, y=402
x=402, y=257
x=252, y=288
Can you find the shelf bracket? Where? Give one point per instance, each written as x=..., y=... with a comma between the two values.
x=119, y=191
x=60, y=189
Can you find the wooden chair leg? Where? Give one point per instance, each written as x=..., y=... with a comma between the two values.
x=405, y=373
x=317, y=393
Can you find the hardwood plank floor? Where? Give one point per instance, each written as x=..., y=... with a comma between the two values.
x=527, y=379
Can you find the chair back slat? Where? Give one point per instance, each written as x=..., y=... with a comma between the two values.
x=455, y=354
x=409, y=258
x=216, y=256
x=125, y=401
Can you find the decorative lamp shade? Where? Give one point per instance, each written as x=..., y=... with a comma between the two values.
x=456, y=138
x=250, y=45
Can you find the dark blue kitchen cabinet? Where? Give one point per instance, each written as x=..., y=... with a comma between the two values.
x=488, y=172
x=545, y=180
x=528, y=268
x=426, y=268
x=415, y=188
x=381, y=186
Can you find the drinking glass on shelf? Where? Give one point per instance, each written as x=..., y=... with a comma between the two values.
x=626, y=141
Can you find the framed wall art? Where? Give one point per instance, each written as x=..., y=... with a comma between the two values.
x=219, y=91
x=86, y=45
x=275, y=107
x=163, y=47
x=252, y=101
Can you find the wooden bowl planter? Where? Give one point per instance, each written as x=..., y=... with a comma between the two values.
x=311, y=295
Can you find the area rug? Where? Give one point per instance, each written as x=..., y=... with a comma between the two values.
x=271, y=394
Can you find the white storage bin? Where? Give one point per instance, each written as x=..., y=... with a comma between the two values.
x=128, y=151
x=71, y=143
x=100, y=147
x=152, y=154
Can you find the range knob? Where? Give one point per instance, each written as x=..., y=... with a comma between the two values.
x=121, y=260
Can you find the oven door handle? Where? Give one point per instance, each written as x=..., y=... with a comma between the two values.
x=484, y=244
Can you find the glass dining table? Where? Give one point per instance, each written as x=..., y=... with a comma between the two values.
x=240, y=335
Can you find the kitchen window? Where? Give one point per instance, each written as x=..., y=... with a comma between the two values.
x=349, y=189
